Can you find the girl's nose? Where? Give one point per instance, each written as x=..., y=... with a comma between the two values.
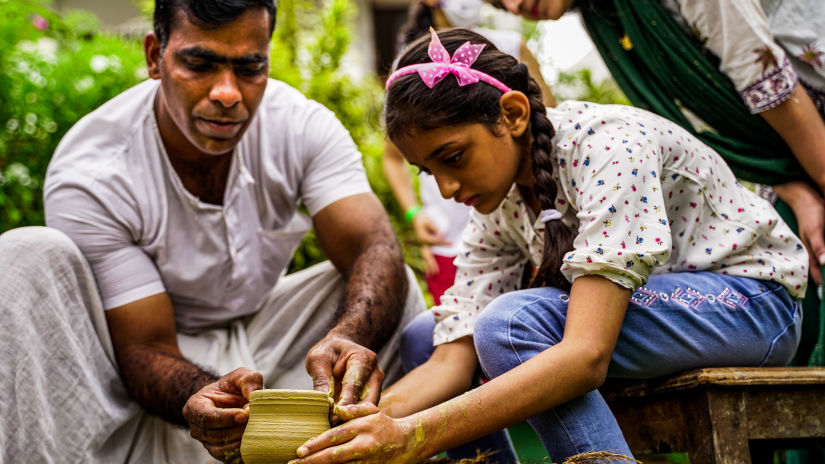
x=448, y=186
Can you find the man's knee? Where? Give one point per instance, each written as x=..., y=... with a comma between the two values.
x=36, y=239
x=39, y=253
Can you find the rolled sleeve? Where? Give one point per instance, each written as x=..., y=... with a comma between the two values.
x=123, y=271
x=623, y=227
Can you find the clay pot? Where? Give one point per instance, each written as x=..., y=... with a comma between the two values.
x=280, y=421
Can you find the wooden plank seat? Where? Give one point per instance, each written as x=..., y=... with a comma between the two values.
x=734, y=415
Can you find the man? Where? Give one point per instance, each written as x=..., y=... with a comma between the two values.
x=182, y=194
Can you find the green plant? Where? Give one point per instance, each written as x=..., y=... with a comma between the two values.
x=54, y=68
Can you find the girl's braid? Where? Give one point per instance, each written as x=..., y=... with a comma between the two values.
x=558, y=238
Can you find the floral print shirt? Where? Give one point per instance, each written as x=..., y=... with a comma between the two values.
x=646, y=198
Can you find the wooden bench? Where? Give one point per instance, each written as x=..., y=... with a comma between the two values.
x=735, y=415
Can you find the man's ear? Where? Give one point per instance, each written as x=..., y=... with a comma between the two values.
x=152, y=49
x=515, y=112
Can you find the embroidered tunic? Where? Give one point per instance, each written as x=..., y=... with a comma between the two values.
x=765, y=47
x=646, y=198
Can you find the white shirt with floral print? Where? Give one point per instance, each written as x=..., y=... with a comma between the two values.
x=646, y=198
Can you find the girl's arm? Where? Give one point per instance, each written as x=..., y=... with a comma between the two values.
x=398, y=176
x=448, y=373
x=577, y=365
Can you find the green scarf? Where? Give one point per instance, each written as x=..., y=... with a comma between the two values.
x=657, y=64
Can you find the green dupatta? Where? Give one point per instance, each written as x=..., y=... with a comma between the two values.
x=657, y=64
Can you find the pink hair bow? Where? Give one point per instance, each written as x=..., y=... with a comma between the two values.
x=442, y=65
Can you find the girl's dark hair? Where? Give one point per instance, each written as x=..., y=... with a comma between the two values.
x=412, y=107
x=205, y=13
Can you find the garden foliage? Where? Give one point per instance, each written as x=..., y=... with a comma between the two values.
x=53, y=70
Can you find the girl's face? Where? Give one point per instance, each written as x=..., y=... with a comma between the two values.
x=471, y=164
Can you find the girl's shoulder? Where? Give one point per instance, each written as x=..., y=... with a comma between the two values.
x=585, y=110
x=580, y=119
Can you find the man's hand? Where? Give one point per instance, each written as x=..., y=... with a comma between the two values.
x=335, y=361
x=218, y=413
x=368, y=255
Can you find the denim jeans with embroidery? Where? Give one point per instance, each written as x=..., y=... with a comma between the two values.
x=675, y=322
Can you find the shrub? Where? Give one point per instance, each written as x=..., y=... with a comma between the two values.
x=53, y=70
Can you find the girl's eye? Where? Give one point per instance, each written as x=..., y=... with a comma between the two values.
x=424, y=170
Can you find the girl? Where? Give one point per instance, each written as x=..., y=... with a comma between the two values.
x=650, y=258
x=438, y=222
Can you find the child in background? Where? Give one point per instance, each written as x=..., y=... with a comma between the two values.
x=651, y=259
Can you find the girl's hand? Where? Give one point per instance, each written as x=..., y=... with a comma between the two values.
x=369, y=437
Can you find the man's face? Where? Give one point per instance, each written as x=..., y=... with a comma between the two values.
x=212, y=81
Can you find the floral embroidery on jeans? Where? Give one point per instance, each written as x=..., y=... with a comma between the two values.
x=732, y=299
x=688, y=298
x=644, y=297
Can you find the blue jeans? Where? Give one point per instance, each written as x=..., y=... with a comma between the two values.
x=675, y=322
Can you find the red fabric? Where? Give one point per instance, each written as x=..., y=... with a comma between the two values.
x=439, y=282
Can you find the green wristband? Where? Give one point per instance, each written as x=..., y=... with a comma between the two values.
x=412, y=212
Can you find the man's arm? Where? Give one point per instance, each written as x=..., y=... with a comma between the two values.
x=162, y=381
x=359, y=240
x=151, y=365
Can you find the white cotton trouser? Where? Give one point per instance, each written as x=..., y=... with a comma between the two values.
x=61, y=398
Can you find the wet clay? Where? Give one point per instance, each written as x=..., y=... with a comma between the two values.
x=280, y=421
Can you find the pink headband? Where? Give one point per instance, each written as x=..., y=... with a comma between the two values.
x=442, y=65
